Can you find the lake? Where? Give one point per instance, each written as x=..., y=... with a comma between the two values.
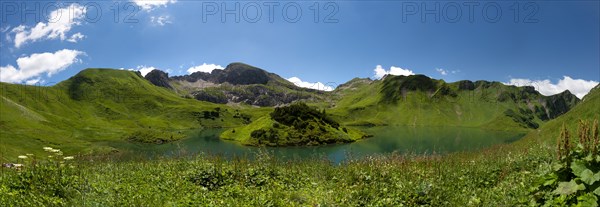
x=387, y=139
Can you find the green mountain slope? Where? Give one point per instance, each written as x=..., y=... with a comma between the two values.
x=98, y=108
x=587, y=109
x=421, y=101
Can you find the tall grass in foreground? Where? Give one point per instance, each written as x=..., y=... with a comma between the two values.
x=575, y=178
x=499, y=176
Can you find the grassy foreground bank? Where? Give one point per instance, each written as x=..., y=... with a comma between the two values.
x=523, y=173
x=500, y=176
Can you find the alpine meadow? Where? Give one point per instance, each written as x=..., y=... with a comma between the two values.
x=469, y=103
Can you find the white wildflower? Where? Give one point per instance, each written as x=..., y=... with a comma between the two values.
x=22, y=157
x=68, y=158
x=48, y=149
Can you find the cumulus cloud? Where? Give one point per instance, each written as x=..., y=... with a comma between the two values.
x=207, y=68
x=31, y=67
x=318, y=85
x=149, y=5
x=578, y=87
x=10, y=74
x=380, y=71
x=161, y=20
x=59, y=23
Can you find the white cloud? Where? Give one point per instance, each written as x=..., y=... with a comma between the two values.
x=149, y=5
x=446, y=72
x=9, y=74
x=33, y=66
x=318, y=85
x=145, y=69
x=207, y=68
x=59, y=23
x=76, y=37
x=161, y=20
x=442, y=71
x=380, y=71
x=578, y=87
x=32, y=81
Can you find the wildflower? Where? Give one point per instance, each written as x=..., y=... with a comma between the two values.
x=17, y=165
x=68, y=158
x=22, y=157
x=48, y=149
x=55, y=150
x=29, y=154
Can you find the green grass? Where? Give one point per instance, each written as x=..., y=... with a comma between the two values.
x=494, y=177
x=294, y=125
x=498, y=176
x=242, y=134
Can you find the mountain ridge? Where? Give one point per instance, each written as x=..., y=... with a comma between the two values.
x=522, y=105
x=587, y=109
x=409, y=100
x=237, y=83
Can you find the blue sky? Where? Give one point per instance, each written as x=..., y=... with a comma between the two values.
x=551, y=45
